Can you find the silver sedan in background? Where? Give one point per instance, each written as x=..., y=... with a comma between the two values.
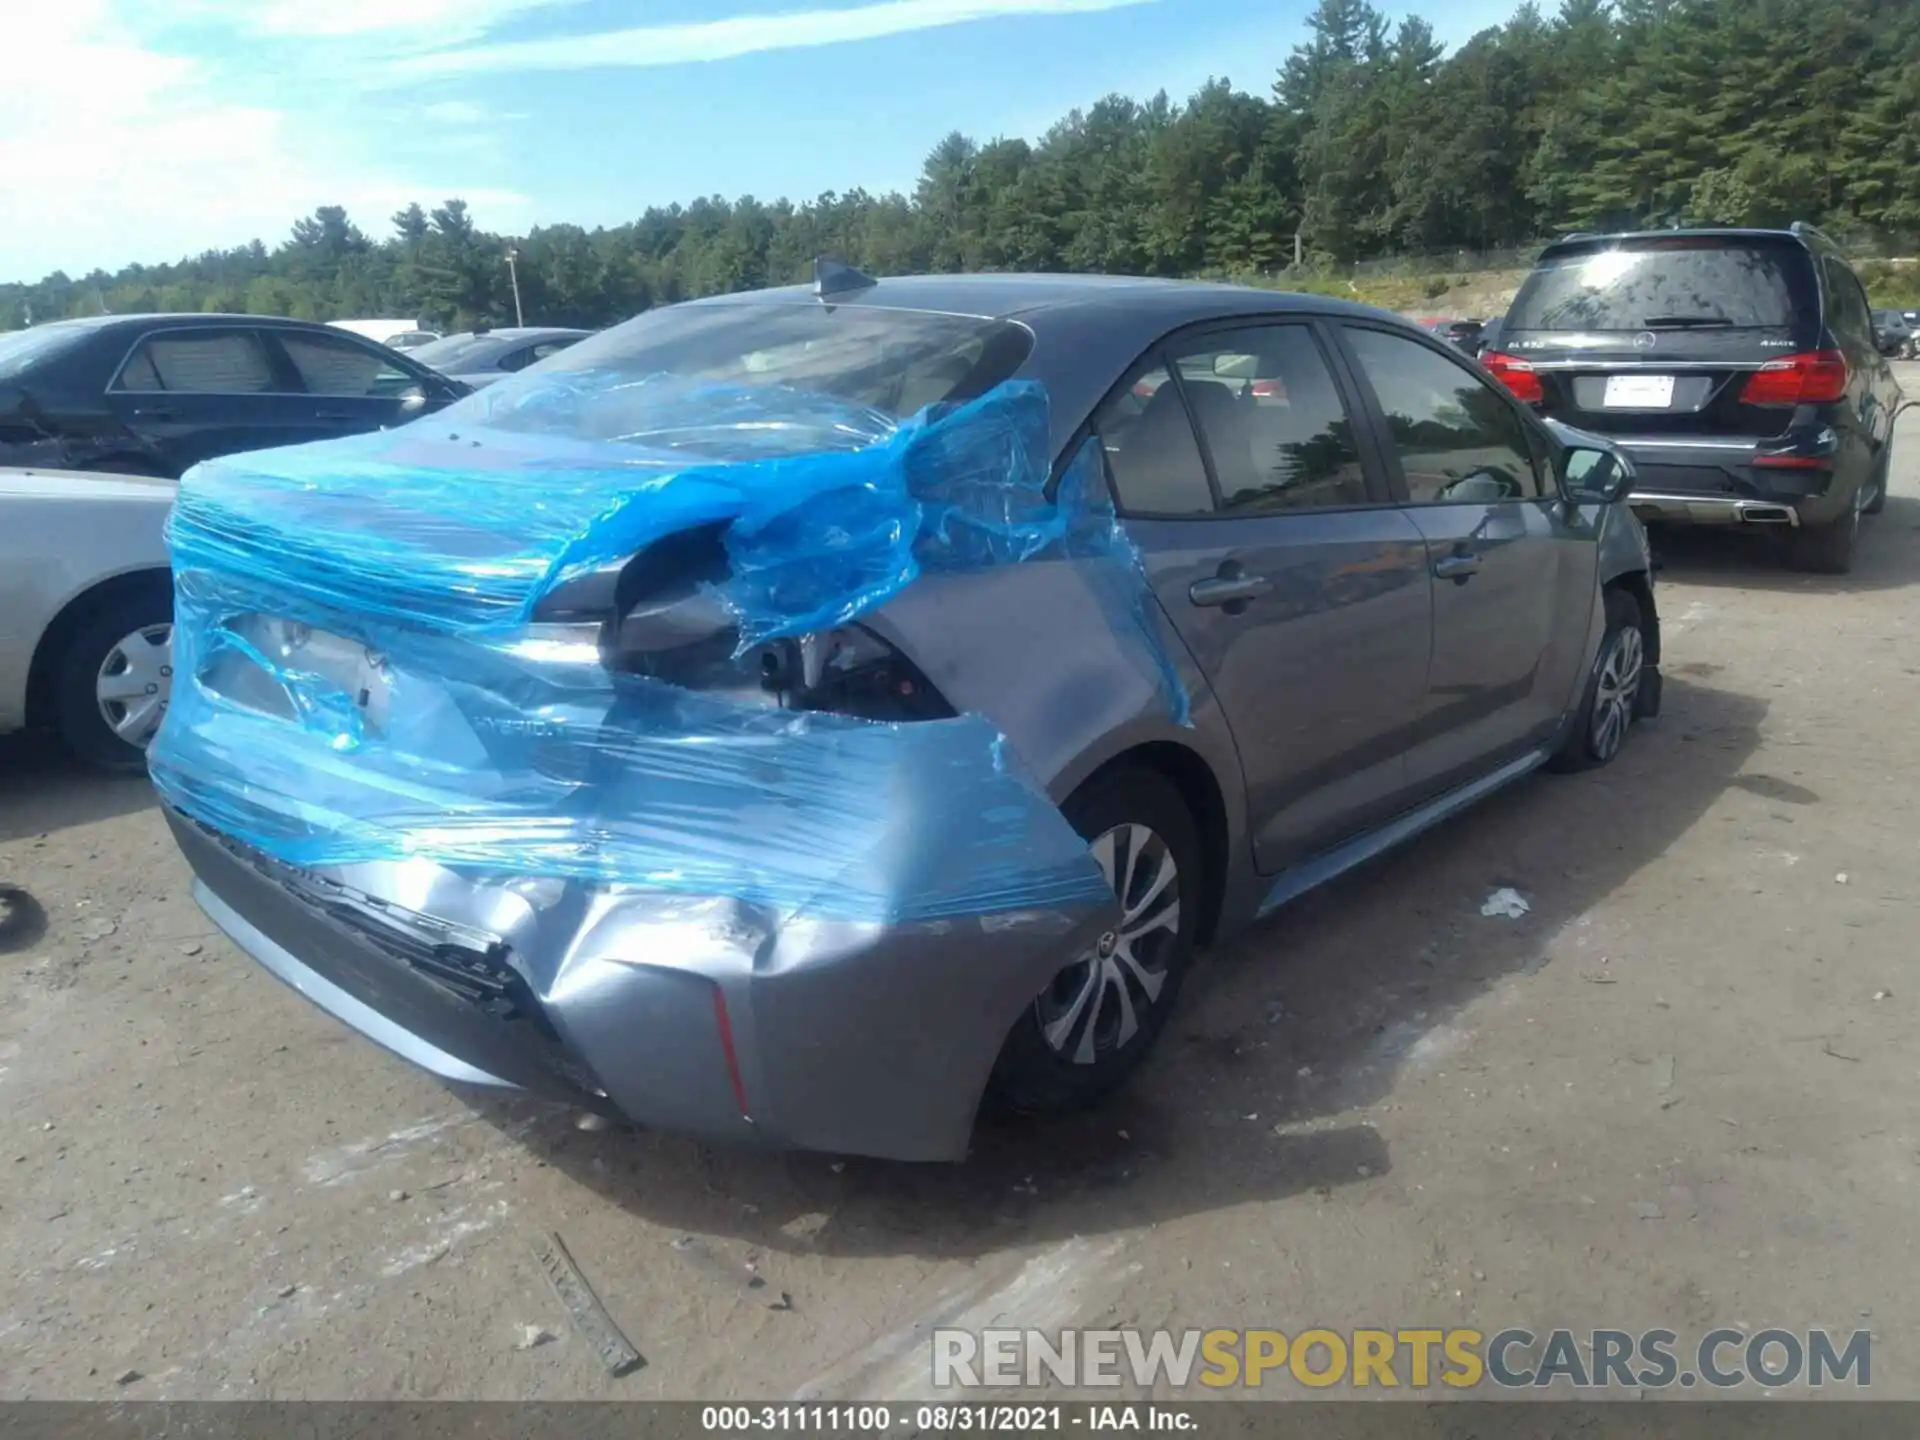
x=86, y=610
x=480, y=357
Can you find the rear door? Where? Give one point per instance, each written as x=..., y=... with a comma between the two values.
x=1273, y=544
x=350, y=385
x=1513, y=569
x=1655, y=337
x=193, y=393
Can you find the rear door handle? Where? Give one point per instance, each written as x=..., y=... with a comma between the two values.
x=153, y=412
x=1459, y=567
x=334, y=415
x=1229, y=589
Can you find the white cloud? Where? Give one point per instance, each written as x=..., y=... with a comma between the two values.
x=456, y=112
x=403, y=24
x=707, y=40
x=110, y=152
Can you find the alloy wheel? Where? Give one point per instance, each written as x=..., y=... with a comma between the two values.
x=1613, y=697
x=1096, y=1005
x=135, y=683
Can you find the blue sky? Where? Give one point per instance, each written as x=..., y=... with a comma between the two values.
x=210, y=122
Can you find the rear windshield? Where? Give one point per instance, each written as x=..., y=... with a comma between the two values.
x=894, y=362
x=458, y=350
x=1653, y=284
x=22, y=348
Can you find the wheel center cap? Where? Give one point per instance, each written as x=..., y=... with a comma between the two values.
x=1109, y=942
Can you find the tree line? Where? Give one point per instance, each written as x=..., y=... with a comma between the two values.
x=1371, y=140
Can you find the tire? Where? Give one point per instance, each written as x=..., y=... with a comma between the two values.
x=1882, y=477
x=1826, y=549
x=116, y=642
x=1072, y=1045
x=1610, y=704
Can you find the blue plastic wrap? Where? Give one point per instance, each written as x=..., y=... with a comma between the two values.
x=361, y=674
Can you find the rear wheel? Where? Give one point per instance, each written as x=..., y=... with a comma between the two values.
x=1097, y=1019
x=1882, y=477
x=1828, y=549
x=114, y=677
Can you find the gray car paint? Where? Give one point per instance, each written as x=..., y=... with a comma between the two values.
x=879, y=1039
x=62, y=534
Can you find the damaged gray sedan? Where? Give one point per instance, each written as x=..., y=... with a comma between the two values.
x=954, y=657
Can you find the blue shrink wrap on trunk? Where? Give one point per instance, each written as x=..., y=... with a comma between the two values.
x=364, y=672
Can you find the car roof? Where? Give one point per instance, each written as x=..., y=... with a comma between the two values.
x=1006, y=296
x=1696, y=232
x=182, y=317
x=1088, y=330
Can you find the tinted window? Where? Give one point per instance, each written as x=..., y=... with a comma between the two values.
x=1273, y=421
x=456, y=352
x=1458, y=439
x=1682, y=281
x=1151, y=453
x=227, y=362
x=25, y=347
x=339, y=367
x=1847, y=310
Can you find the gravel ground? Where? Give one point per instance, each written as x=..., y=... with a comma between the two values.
x=1677, y=1092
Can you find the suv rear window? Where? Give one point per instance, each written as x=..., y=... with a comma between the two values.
x=1684, y=282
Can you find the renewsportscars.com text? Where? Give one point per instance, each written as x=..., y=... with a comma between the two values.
x=1412, y=1359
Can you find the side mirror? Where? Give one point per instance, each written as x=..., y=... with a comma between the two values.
x=413, y=399
x=1593, y=477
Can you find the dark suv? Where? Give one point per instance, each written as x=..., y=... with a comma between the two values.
x=1739, y=368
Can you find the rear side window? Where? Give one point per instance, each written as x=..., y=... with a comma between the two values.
x=1847, y=309
x=1273, y=420
x=1679, y=283
x=227, y=362
x=1151, y=453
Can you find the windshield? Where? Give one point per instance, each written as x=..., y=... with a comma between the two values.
x=23, y=347
x=1682, y=283
x=818, y=360
x=459, y=352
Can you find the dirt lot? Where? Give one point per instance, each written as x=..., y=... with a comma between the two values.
x=1678, y=1092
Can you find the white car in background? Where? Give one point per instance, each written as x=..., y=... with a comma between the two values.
x=86, y=610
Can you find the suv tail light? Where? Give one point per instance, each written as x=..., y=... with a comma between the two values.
x=1810, y=379
x=1516, y=374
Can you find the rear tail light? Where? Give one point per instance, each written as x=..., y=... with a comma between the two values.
x=1268, y=390
x=1810, y=379
x=1517, y=375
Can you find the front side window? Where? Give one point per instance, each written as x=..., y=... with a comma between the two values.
x=340, y=368
x=1458, y=439
x=1275, y=426
x=226, y=362
x=1151, y=453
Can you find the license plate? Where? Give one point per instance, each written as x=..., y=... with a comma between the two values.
x=1639, y=392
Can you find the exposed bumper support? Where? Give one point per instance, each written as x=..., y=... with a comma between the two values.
x=859, y=1038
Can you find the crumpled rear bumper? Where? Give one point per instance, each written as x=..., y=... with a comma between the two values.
x=701, y=1015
